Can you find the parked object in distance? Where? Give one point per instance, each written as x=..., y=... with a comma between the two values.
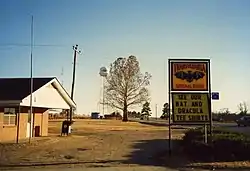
x=218, y=119
x=243, y=121
x=96, y=115
x=113, y=116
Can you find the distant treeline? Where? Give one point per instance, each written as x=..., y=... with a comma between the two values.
x=227, y=117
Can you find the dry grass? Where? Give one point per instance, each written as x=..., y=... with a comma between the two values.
x=107, y=142
x=92, y=141
x=103, y=125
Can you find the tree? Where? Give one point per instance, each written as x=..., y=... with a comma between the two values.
x=224, y=111
x=125, y=85
x=243, y=108
x=146, y=111
x=165, y=111
x=227, y=111
x=132, y=114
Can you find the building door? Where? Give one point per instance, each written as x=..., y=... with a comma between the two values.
x=29, y=125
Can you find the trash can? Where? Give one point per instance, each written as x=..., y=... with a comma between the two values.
x=66, y=126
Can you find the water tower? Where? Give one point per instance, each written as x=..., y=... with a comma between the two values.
x=103, y=73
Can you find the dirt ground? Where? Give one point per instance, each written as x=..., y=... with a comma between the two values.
x=104, y=143
x=108, y=142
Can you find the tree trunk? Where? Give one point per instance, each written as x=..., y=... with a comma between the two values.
x=125, y=114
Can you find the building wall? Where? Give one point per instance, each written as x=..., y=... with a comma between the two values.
x=41, y=119
x=22, y=125
x=1, y=126
x=9, y=133
x=40, y=98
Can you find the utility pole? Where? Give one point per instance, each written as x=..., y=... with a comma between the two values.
x=75, y=48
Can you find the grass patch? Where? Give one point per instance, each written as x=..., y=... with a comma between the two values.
x=225, y=145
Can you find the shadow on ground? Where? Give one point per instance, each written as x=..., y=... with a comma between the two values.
x=145, y=153
x=164, y=124
x=153, y=123
x=156, y=153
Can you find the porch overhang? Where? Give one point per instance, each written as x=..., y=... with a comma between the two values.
x=46, y=107
x=10, y=103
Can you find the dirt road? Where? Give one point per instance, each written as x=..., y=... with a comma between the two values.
x=122, y=168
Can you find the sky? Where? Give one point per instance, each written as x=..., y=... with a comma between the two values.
x=152, y=30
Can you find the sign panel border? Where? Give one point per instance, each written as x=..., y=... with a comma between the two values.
x=205, y=61
x=190, y=123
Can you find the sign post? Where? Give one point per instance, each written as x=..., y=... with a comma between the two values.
x=205, y=132
x=169, y=110
x=190, y=92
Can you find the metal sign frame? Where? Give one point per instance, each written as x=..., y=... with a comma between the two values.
x=171, y=90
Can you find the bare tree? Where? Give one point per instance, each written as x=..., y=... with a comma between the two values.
x=225, y=111
x=125, y=85
x=243, y=108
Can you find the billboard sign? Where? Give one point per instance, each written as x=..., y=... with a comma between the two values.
x=190, y=108
x=189, y=75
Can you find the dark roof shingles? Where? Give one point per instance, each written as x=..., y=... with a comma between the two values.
x=19, y=88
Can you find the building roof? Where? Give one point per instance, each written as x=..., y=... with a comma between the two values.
x=19, y=88
x=16, y=89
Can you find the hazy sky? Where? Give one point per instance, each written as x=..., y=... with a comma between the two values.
x=152, y=30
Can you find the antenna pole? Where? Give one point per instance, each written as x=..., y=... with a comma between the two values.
x=31, y=80
x=156, y=110
x=62, y=76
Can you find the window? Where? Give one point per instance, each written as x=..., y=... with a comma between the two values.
x=9, y=116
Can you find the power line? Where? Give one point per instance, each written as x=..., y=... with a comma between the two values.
x=34, y=45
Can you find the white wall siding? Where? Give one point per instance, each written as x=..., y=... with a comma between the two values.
x=47, y=97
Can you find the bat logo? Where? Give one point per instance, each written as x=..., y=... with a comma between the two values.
x=189, y=75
